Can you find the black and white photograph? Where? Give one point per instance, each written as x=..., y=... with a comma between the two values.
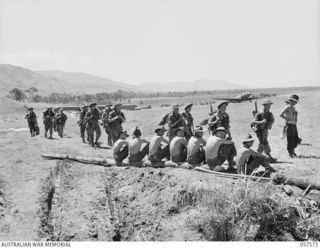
x=159, y=120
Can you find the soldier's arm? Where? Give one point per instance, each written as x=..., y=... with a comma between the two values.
x=283, y=114
x=213, y=120
x=173, y=124
x=165, y=140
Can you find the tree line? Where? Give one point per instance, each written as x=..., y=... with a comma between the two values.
x=32, y=95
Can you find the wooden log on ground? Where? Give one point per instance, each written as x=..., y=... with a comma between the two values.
x=233, y=176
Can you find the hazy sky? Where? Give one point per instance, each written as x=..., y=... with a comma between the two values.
x=251, y=42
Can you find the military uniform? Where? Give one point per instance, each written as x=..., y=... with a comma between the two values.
x=188, y=125
x=116, y=124
x=262, y=131
x=48, y=118
x=32, y=123
x=224, y=121
x=174, y=117
x=61, y=121
x=82, y=124
x=105, y=123
x=92, y=119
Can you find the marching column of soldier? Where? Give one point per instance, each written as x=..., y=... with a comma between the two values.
x=185, y=141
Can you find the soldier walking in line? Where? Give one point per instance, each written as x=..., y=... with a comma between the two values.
x=32, y=122
x=92, y=123
x=48, y=119
x=188, y=119
x=116, y=118
x=175, y=120
x=82, y=123
x=105, y=123
x=290, y=115
x=221, y=119
x=263, y=122
x=61, y=121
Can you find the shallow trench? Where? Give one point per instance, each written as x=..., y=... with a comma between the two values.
x=78, y=205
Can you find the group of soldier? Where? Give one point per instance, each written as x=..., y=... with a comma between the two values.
x=185, y=141
x=53, y=120
x=91, y=118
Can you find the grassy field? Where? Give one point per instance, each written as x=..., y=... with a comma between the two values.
x=153, y=204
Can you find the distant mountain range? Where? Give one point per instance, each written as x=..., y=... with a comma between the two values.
x=79, y=83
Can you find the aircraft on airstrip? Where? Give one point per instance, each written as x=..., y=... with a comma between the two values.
x=243, y=97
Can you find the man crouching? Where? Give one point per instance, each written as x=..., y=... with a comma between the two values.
x=196, y=153
x=218, y=150
x=249, y=160
x=120, y=148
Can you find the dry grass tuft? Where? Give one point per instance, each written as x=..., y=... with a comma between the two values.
x=252, y=211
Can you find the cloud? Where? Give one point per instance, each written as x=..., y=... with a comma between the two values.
x=42, y=59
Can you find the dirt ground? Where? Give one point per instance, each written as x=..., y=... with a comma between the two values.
x=63, y=200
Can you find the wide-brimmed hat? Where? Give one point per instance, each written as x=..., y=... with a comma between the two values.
x=225, y=102
x=30, y=108
x=179, y=129
x=294, y=98
x=124, y=132
x=198, y=129
x=220, y=129
x=118, y=104
x=189, y=105
x=267, y=102
x=160, y=128
x=108, y=105
x=137, y=132
x=175, y=106
x=93, y=104
x=249, y=138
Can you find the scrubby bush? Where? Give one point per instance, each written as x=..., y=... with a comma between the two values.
x=252, y=211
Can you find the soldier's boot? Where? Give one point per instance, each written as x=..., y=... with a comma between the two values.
x=83, y=140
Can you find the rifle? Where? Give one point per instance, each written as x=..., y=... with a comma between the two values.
x=254, y=112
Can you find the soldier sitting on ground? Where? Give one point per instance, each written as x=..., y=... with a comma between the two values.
x=32, y=122
x=218, y=150
x=195, y=148
x=178, y=147
x=249, y=160
x=61, y=121
x=136, y=152
x=120, y=148
x=157, y=151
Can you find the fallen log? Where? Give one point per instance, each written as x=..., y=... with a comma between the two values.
x=306, y=184
x=233, y=176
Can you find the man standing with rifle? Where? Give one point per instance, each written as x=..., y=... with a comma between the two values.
x=82, y=123
x=262, y=124
x=92, y=119
x=105, y=123
x=116, y=118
